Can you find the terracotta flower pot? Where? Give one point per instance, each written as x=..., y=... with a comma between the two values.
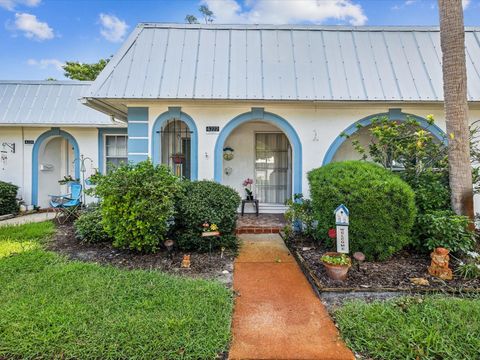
x=337, y=272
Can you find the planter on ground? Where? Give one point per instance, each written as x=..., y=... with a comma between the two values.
x=336, y=265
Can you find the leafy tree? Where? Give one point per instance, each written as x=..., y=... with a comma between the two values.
x=191, y=19
x=207, y=14
x=452, y=40
x=83, y=71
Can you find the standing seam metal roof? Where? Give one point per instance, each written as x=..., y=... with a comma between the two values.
x=47, y=103
x=266, y=62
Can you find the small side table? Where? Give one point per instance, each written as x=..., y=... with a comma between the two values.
x=253, y=201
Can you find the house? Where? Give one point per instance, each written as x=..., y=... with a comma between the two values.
x=230, y=102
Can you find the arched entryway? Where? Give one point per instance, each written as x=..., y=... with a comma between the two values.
x=55, y=155
x=342, y=149
x=266, y=148
x=175, y=143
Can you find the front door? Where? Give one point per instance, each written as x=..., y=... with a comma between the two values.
x=273, y=168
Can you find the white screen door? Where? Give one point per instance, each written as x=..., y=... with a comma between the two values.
x=273, y=169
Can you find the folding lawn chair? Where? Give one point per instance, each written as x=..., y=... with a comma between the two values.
x=66, y=206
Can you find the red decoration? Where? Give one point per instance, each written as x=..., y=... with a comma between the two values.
x=332, y=233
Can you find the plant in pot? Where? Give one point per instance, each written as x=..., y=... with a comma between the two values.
x=247, y=184
x=178, y=158
x=336, y=265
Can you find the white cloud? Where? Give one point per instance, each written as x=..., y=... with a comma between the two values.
x=409, y=2
x=286, y=11
x=113, y=29
x=32, y=28
x=465, y=4
x=12, y=4
x=45, y=63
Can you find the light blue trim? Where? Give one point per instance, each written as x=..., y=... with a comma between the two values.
x=135, y=129
x=284, y=125
x=101, y=143
x=392, y=114
x=176, y=113
x=36, y=149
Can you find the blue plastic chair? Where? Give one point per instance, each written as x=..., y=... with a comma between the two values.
x=66, y=206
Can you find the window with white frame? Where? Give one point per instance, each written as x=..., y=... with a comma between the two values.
x=115, y=151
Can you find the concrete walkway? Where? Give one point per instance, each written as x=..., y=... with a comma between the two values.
x=277, y=315
x=20, y=220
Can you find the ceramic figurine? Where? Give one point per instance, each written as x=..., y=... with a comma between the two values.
x=186, y=262
x=439, y=266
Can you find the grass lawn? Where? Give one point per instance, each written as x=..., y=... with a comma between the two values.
x=51, y=307
x=432, y=327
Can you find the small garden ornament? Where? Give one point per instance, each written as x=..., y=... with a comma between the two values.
x=439, y=266
x=336, y=265
x=186, y=261
x=247, y=184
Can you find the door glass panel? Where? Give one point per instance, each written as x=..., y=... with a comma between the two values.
x=272, y=168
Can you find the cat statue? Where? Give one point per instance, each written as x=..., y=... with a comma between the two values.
x=186, y=262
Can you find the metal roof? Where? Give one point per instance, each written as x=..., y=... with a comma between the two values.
x=291, y=62
x=47, y=103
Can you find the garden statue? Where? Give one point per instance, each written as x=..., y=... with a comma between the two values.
x=186, y=262
x=439, y=266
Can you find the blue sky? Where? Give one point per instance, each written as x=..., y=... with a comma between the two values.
x=37, y=36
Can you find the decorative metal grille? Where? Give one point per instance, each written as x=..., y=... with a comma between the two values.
x=175, y=147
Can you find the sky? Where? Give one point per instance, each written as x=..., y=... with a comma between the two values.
x=38, y=36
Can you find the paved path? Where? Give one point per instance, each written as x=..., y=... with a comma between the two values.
x=19, y=220
x=277, y=314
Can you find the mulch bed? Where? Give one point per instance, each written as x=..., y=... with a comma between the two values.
x=203, y=265
x=390, y=275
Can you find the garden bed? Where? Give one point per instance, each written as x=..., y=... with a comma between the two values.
x=391, y=275
x=203, y=265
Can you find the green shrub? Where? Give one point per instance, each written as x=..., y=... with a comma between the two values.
x=8, y=199
x=431, y=189
x=300, y=217
x=89, y=227
x=444, y=229
x=206, y=201
x=382, y=206
x=138, y=203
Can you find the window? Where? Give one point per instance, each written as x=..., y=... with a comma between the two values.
x=115, y=151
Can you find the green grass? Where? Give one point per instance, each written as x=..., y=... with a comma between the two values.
x=55, y=308
x=433, y=327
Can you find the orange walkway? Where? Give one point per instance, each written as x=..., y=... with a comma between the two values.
x=277, y=314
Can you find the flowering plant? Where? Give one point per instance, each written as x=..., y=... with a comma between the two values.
x=470, y=267
x=247, y=184
x=209, y=227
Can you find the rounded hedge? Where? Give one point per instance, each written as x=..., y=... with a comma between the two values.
x=89, y=227
x=8, y=199
x=382, y=206
x=206, y=201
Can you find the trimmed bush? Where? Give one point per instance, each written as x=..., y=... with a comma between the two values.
x=206, y=201
x=444, y=229
x=89, y=227
x=8, y=198
x=138, y=204
x=382, y=206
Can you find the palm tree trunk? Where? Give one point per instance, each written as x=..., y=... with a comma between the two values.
x=452, y=36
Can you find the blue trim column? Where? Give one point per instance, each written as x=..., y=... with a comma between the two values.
x=101, y=144
x=137, y=134
x=284, y=125
x=175, y=112
x=35, y=153
x=392, y=114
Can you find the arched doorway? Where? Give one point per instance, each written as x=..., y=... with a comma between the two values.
x=175, y=143
x=266, y=148
x=342, y=148
x=54, y=156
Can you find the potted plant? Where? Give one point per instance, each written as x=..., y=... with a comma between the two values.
x=336, y=265
x=247, y=184
x=178, y=158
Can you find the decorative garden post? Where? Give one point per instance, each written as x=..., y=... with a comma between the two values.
x=342, y=221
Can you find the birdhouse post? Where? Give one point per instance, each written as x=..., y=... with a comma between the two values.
x=342, y=221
